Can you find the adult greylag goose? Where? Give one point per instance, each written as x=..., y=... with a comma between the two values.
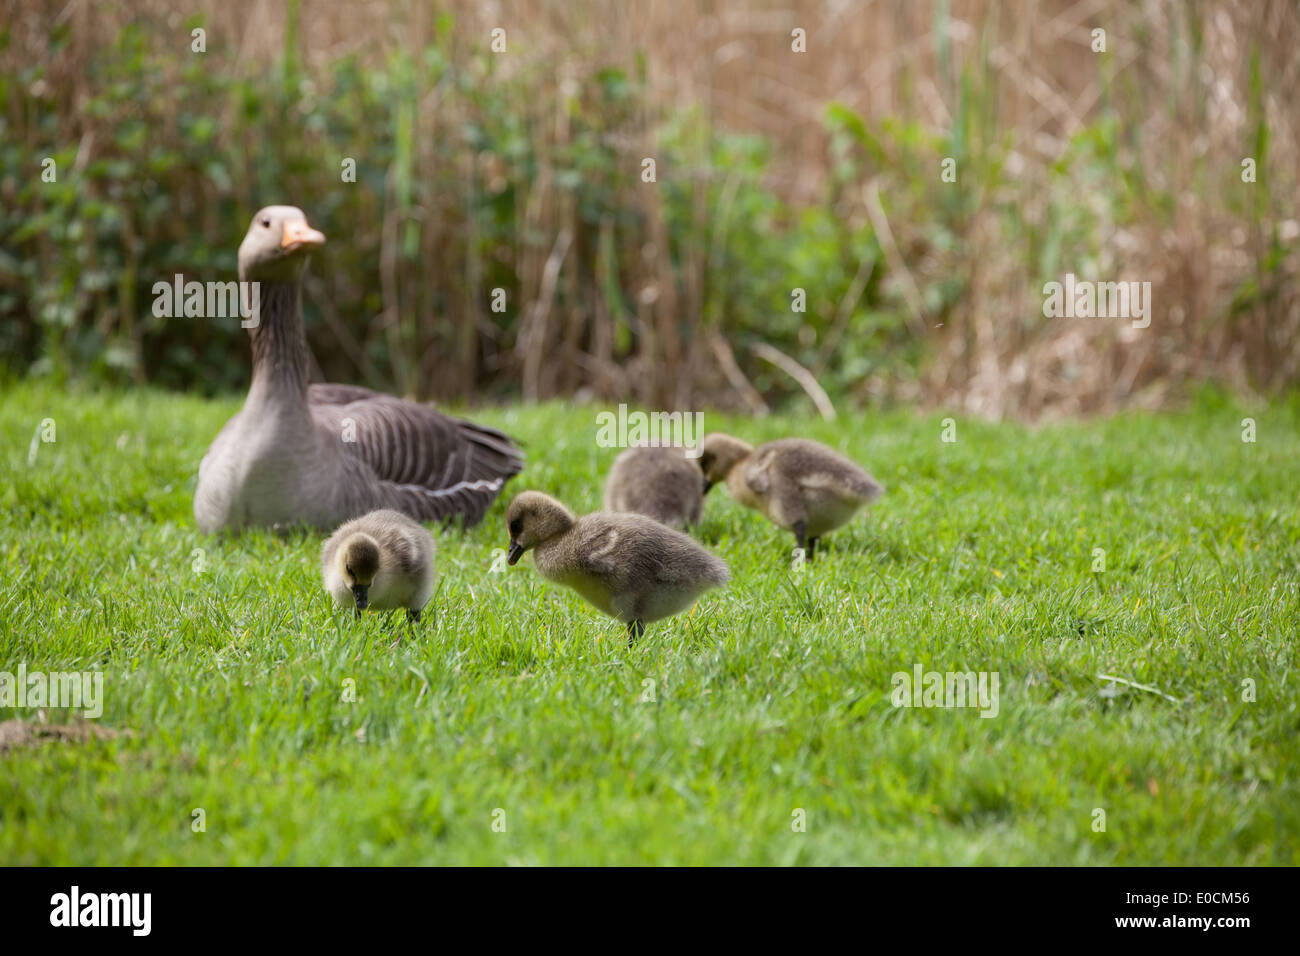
x=322, y=454
x=800, y=485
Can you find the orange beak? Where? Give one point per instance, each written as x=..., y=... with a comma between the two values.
x=298, y=233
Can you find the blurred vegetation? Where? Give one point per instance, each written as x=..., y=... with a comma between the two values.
x=522, y=171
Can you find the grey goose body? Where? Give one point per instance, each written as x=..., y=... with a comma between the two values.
x=321, y=454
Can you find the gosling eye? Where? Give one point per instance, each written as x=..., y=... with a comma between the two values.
x=516, y=527
x=348, y=569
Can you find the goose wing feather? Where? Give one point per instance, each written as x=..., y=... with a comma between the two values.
x=632, y=550
x=758, y=472
x=332, y=394
x=434, y=466
x=598, y=554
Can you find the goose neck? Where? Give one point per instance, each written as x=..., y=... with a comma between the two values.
x=551, y=553
x=280, y=355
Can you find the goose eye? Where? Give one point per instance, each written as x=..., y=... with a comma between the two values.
x=266, y=223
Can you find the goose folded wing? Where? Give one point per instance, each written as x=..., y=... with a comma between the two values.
x=435, y=467
x=758, y=476
x=624, y=556
x=599, y=553
x=331, y=394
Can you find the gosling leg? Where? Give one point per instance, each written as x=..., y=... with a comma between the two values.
x=812, y=547
x=634, y=630
x=801, y=536
x=412, y=617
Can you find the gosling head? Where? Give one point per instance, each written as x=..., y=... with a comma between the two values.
x=720, y=453
x=533, y=518
x=276, y=246
x=359, y=563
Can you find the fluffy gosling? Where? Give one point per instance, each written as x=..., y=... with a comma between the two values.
x=629, y=566
x=382, y=560
x=660, y=483
x=799, y=485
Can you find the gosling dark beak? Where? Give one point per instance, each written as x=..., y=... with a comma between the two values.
x=516, y=552
x=707, y=485
x=362, y=593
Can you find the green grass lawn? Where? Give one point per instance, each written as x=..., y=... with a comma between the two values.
x=772, y=696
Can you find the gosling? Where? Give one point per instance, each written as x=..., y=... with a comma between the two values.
x=800, y=485
x=629, y=566
x=382, y=560
x=660, y=483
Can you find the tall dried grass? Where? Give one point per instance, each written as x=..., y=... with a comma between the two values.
x=1122, y=165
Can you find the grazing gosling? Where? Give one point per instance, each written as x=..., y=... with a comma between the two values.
x=382, y=560
x=629, y=566
x=799, y=485
x=660, y=483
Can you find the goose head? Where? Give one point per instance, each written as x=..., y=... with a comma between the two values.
x=358, y=562
x=533, y=518
x=719, y=454
x=276, y=246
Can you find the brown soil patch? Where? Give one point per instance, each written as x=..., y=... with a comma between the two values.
x=28, y=733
